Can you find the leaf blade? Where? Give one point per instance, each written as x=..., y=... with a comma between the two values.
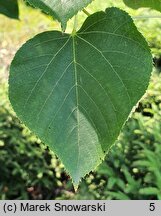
x=80, y=96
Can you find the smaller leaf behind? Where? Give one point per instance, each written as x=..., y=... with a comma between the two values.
x=135, y=4
x=61, y=10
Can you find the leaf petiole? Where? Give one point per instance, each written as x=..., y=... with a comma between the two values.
x=75, y=26
x=86, y=12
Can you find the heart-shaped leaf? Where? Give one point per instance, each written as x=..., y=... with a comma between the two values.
x=61, y=10
x=76, y=92
x=9, y=8
x=135, y=4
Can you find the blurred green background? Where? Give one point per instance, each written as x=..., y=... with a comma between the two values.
x=132, y=169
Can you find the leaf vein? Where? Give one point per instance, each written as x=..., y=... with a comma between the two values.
x=96, y=107
x=51, y=92
x=37, y=82
x=113, y=69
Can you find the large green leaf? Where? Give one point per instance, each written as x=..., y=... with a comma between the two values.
x=61, y=10
x=135, y=4
x=9, y=8
x=76, y=92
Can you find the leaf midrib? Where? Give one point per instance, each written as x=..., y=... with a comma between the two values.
x=77, y=99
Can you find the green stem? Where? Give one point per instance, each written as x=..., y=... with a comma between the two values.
x=86, y=12
x=75, y=26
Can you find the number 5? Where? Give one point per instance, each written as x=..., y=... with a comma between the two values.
x=152, y=207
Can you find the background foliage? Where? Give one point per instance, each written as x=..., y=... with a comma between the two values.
x=132, y=169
